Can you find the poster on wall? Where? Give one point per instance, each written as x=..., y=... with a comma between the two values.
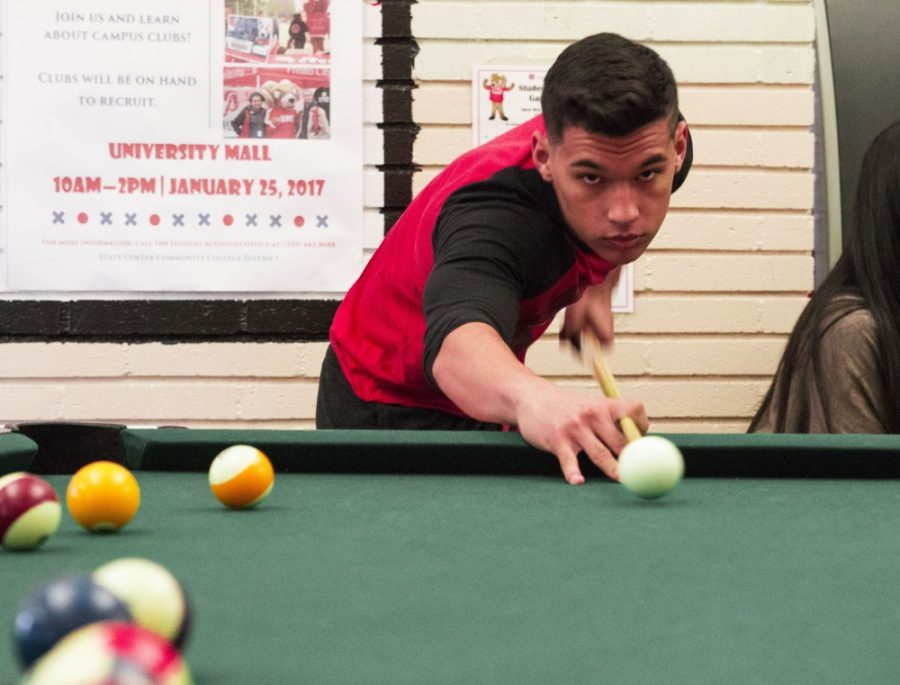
x=163, y=145
x=504, y=97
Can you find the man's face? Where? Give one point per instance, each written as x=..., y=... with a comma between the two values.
x=613, y=191
x=256, y=102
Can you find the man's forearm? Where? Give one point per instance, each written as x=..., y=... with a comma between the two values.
x=476, y=369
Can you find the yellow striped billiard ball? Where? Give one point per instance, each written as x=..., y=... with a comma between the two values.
x=241, y=476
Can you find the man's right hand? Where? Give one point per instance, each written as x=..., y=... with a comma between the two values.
x=565, y=423
x=480, y=374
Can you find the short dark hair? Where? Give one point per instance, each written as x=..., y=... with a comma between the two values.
x=608, y=85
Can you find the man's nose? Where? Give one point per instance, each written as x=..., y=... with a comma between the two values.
x=622, y=208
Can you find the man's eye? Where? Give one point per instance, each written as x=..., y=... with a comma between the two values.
x=590, y=179
x=648, y=175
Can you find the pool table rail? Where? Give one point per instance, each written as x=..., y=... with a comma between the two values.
x=65, y=447
x=712, y=455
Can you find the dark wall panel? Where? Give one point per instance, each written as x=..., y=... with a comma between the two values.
x=865, y=56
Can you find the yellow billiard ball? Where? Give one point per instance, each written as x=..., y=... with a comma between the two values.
x=152, y=594
x=241, y=476
x=103, y=496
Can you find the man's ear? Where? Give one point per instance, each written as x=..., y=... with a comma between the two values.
x=681, y=144
x=684, y=153
x=540, y=154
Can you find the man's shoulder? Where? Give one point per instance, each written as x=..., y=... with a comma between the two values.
x=512, y=199
x=512, y=148
x=511, y=216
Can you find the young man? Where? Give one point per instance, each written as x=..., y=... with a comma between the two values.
x=253, y=120
x=434, y=332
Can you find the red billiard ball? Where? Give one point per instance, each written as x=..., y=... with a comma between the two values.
x=29, y=511
x=111, y=652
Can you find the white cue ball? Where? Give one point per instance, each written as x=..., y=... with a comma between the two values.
x=650, y=466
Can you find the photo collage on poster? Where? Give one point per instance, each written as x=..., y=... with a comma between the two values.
x=277, y=74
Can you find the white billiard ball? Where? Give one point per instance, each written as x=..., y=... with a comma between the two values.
x=650, y=466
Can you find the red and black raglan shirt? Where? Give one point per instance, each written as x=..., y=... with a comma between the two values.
x=486, y=242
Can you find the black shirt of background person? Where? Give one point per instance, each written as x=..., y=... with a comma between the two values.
x=321, y=98
x=250, y=123
x=297, y=33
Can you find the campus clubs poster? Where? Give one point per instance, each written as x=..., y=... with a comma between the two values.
x=182, y=146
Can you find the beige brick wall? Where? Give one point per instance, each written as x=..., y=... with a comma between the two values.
x=215, y=384
x=727, y=276
x=715, y=296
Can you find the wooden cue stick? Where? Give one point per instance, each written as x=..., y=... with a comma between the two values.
x=608, y=384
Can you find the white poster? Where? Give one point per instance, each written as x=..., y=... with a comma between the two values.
x=504, y=97
x=168, y=145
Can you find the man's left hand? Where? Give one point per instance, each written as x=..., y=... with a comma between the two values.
x=592, y=311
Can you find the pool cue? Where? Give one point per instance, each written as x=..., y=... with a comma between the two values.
x=608, y=384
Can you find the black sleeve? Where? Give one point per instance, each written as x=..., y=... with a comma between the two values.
x=485, y=249
x=238, y=122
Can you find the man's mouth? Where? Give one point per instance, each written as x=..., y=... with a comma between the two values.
x=625, y=241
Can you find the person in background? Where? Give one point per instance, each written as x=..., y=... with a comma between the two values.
x=316, y=123
x=253, y=120
x=318, y=20
x=297, y=33
x=840, y=371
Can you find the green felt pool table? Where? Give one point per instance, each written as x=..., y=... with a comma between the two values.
x=433, y=557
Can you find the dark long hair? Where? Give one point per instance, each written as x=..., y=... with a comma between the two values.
x=869, y=267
